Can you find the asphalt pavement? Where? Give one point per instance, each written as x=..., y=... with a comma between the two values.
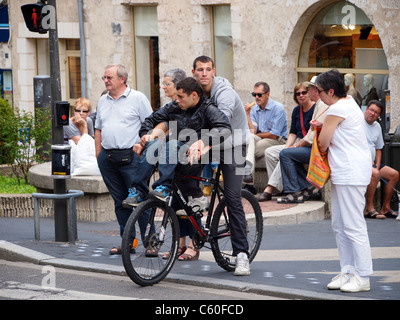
x=297, y=257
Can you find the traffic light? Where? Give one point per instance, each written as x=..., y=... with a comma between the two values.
x=62, y=113
x=33, y=17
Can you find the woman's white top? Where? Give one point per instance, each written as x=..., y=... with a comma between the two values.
x=348, y=154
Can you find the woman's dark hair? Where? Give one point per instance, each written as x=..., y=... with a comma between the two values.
x=188, y=85
x=332, y=79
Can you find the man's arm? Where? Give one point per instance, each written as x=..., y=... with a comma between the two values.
x=378, y=159
x=97, y=141
x=159, y=132
x=247, y=109
x=268, y=135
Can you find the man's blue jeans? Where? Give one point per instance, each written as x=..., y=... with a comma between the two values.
x=294, y=174
x=172, y=164
x=118, y=179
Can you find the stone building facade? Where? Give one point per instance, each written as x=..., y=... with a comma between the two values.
x=266, y=37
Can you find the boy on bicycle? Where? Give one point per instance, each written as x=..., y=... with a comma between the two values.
x=185, y=119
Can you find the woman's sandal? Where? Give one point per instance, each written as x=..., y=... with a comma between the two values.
x=189, y=257
x=118, y=250
x=296, y=197
x=181, y=250
x=373, y=214
x=390, y=214
x=311, y=193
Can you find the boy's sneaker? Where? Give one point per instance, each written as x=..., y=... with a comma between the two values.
x=200, y=204
x=162, y=193
x=133, y=199
x=242, y=265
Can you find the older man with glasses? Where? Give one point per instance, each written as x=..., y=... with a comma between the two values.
x=268, y=124
x=120, y=114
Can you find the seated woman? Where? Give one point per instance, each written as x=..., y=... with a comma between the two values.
x=79, y=123
x=80, y=136
x=301, y=117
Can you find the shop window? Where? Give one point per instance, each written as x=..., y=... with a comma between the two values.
x=73, y=71
x=6, y=89
x=4, y=24
x=341, y=36
x=147, y=53
x=222, y=41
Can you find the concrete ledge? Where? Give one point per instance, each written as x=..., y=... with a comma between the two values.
x=303, y=212
x=96, y=205
x=40, y=177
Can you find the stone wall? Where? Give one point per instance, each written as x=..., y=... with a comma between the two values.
x=266, y=36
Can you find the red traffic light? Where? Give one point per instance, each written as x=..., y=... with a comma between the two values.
x=33, y=17
x=62, y=113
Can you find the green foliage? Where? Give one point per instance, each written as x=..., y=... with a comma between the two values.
x=23, y=136
x=13, y=186
x=6, y=111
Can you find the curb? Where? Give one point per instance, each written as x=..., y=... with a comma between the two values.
x=301, y=213
x=13, y=252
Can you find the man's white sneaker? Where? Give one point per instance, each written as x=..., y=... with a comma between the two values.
x=356, y=284
x=338, y=281
x=200, y=204
x=242, y=265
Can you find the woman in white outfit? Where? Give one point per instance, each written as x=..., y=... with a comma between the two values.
x=343, y=136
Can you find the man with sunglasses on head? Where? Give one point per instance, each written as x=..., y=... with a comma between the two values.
x=268, y=124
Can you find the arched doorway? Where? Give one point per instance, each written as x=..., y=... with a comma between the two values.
x=341, y=36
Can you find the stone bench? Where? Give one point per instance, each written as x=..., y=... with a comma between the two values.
x=261, y=182
x=96, y=205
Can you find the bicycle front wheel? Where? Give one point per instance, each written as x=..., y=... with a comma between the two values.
x=150, y=242
x=221, y=233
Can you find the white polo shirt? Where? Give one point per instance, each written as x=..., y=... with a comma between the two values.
x=120, y=120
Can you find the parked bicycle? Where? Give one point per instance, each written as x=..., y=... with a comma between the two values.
x=156, y=228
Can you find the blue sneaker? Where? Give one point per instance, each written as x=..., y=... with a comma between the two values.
x=162, y=193
x=133, y=199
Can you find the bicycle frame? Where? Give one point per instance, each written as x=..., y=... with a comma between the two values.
x=216, y=192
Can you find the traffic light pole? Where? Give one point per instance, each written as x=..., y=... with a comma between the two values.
x=60, y=206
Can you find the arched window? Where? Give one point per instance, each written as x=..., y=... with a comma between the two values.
x=341, y=36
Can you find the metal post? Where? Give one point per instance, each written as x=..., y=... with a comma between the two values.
x=60, y=206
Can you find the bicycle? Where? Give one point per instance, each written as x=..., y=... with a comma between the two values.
x=142, y=257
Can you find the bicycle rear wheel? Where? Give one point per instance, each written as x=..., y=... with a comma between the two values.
x=151, y=232
x=221, y=235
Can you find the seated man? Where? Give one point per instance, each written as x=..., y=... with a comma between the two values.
x=191, y=110
x=268, y=124
x=391, y=176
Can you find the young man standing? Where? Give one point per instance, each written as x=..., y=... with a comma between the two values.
x=222, y=94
